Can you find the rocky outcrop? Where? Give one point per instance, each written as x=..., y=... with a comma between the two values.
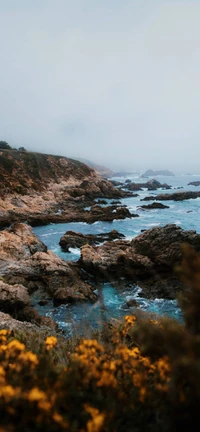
x=150, y=258
x=108, y=214
x=73, y=239
x=44, y=188
x=153, y=206
x=7, y=322
x=150, y=185
x=177, y=196
x=194, y=183
x=25, y=260
x=15, y=300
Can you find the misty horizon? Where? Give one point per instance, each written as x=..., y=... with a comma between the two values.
x=114, y=83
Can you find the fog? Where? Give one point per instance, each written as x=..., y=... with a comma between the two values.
x=112, y=81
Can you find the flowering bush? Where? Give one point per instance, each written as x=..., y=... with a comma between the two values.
x=142, y=374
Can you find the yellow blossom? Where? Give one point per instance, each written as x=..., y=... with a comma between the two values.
x=7, y=392
x=50, y=342
x=36, y=395
x=96, y=423
x=4, y=332
x=14, y=346
x=29, y=358
x=130, y=319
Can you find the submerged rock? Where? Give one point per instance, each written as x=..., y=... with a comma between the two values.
x=73, y=239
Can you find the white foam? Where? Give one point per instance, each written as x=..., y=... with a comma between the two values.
x=75, y=251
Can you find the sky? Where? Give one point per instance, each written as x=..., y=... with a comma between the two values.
x=113, y=81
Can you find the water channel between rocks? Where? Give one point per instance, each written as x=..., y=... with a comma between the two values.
x=85, y=316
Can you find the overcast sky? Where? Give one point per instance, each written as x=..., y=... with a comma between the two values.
x=113, y=81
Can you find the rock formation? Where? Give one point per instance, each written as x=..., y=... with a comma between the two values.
x=150, y=258
x=194, y=183
x=26, y=266
x=45, y=188
x=150, y=185
x=176, y=196
x=73, y=239
x=153, y=206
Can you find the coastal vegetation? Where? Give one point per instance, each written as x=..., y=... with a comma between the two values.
x=141, y=374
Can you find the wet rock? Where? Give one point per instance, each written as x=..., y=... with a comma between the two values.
x=132, y=303
x=151, y=256
x=153, y=206
x=107, y=214
x=194, y=183
x=150, y=185
x=176, y=196
x=73, y=239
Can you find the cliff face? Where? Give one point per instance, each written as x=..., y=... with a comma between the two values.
x=24, y=171
x=35, y=183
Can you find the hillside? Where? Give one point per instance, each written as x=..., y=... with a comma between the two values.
x=22, y=171
x=47, y=187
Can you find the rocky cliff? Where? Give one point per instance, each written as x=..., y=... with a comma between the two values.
x=36, y=186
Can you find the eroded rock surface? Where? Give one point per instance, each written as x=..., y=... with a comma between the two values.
x=24, y=260
x=149, y=257
x=73, y=239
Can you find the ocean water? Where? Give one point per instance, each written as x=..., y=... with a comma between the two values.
x=185, y=214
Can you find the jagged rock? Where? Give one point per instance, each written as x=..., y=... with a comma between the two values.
x=153, y=206
x=176, y=196
x=73, y=239
x=151, y=256
x=43, y=270
x=150, y=185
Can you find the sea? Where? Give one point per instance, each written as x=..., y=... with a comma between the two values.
x=86, y=317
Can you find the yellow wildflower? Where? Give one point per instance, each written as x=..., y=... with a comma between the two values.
x=30, y=358
x=96, y=423
x=130, y=319
x=15, y=346
x=7, y=392
x=4, y=332
x=36, y=395
x=107, y=379
x=50, y=342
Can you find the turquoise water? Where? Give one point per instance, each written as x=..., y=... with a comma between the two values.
x=88, y=315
